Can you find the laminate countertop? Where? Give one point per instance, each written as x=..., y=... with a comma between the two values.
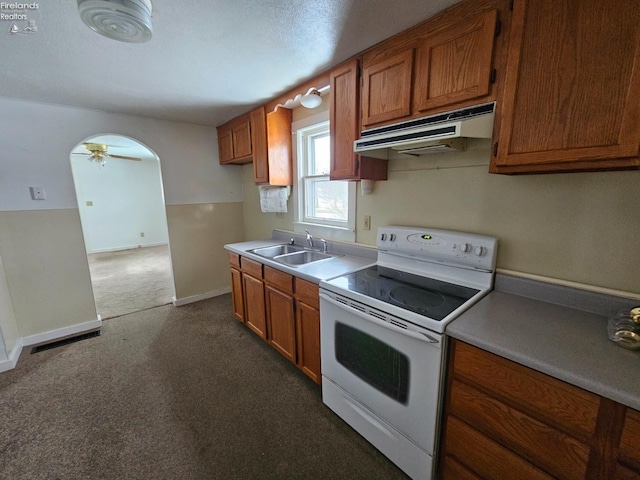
x=557, y=330
x=347, y=257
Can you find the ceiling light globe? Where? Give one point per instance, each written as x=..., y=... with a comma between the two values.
x=311, y=99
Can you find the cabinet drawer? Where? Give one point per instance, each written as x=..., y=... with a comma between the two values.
x=545, y=446
x=484, y=457
x=281, y=280
x=307, y=292
x=630, y=441
x=234, y=259
x=251, y=267
x=557, y=403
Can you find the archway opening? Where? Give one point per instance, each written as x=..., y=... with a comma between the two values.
x=120, y=196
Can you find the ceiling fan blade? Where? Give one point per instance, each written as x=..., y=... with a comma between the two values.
x=111, y=155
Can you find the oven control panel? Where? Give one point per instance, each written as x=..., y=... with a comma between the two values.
x=444, y=246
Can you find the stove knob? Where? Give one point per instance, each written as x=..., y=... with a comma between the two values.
x=392, y=237
x=480, y=251
x=465, y=247
x=383, y=237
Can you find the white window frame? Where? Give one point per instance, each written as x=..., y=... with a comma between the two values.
x=320, y=228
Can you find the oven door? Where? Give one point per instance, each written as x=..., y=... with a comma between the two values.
x=392, y=372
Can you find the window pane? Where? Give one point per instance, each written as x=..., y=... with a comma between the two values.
x=319, y=155
x=327, y=200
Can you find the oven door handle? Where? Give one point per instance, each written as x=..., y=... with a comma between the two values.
x=389, y=326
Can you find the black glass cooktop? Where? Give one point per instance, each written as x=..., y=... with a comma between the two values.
x=426, y=296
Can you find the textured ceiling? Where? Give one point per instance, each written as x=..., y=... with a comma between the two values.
x=208, y=60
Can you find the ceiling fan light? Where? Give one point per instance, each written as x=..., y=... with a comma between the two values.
x=123, y=20
x=311, y=99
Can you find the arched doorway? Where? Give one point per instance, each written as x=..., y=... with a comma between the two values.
x=122, y=212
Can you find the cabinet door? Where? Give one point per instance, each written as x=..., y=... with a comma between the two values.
x=386, y=89
x=308, y=326
x=242, y=139
x=343, y=122
x=279, y=147
x=225, y=145
x=455, y=64
x=254, y=305
x=628, y=466
x=259, y=140
x=344, y=128
x=281, y=321
x=236, y=294
x=571, y=98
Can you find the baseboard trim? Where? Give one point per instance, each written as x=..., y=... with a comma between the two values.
x=178, y=302
x=61, y=333
x=12, y=361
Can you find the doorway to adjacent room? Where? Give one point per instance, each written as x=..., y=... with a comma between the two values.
x=120, y=198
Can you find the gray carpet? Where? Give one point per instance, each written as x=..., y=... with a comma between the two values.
x=131, y=280
x=174, y=393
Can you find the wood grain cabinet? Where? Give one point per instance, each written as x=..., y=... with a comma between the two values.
x=253, y=295
x=236, y=286
x=445, y=62
x=386, y=87
x=571, y=97
x=282, y=309
x=344, y=128
x=505, y=421
x=234, y=141
x=262, y=138
x=455, y=64
x=308, y=328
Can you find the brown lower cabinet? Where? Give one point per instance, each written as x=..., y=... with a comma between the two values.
x=505, y=421
x=281, y=308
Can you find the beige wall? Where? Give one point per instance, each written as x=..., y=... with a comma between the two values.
x=197, y=235
x=46, y=269
x=578, y=227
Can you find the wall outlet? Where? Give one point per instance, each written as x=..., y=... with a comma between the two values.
x=37, y=193
x=367, y=222
x=142, y=234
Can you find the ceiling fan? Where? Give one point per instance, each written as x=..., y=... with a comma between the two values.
x=99, y=153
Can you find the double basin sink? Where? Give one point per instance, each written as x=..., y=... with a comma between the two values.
x=291, y=255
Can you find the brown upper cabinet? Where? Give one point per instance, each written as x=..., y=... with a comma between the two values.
x=271, y=135
x=261, y=138
x=455, y=64
x=445, y=63
x=386, y=88
x=344, y=128
x=571, y=96
x=234, y=140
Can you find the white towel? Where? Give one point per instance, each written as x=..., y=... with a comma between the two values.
x=273, y=199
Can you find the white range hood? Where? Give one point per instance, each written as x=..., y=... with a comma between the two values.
x=443, y=132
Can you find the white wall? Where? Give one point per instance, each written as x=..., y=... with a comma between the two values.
x=41, y=242
x=37, y=138
x=118, y=202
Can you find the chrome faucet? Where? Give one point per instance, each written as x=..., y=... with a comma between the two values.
x=309, y=238
x=324, y=245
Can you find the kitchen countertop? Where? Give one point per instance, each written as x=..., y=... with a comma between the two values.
x=518, y=322
x=349, y=257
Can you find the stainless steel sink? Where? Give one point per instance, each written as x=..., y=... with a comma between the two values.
x=275, y=250
x=301, y=258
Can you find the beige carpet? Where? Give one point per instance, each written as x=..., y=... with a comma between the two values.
x=174, y=393
x=128, y=281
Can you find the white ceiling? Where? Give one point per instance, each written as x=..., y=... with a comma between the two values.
x=208, y=60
